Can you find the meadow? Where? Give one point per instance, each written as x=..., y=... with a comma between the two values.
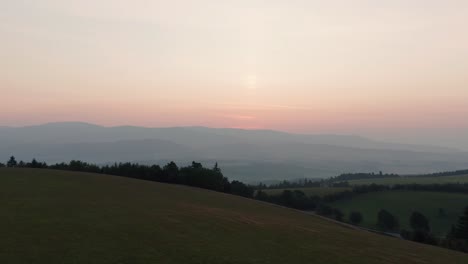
x=403, y=203
x=69, y=217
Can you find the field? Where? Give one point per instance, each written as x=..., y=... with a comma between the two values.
x=403, y=203
x=410, y=180
x=311, y=191
x=66, y=217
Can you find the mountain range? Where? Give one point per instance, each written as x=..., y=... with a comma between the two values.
x=248, y=155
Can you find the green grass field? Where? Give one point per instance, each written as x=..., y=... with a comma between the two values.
x=403, y=203
x=319, y=191
x=410, y=180
x=66, y=217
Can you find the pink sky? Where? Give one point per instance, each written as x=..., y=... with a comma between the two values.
x=394, y=68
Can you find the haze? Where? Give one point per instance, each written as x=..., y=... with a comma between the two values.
x=390, y=70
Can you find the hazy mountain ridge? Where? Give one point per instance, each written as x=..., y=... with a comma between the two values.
x=250, y=155
x=77, y=132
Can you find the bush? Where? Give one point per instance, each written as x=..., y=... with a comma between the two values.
x=355, y=218
x=386, y=221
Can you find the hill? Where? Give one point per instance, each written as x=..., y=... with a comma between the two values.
x=68, y=217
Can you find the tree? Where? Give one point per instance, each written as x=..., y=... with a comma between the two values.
x=386, y=221
x=338, y=214
x=419, y=222
x=355, y=218
x=196, y=165
x=216, y=168
x=2, y=165
x=261, y=195
x=12, y=162
x=35, y=164
x=170, y=172
x=460, y=231
x=442, y=212
x=239, y=188
x=325, y=210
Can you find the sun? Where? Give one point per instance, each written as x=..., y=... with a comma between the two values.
x=251, y=82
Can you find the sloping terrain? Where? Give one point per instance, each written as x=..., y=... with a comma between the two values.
x=66, y=217
x=403, y=203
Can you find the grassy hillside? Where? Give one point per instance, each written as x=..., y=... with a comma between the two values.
x=65, y=217
x=403, y=203
x=410, y=180
x=310, y=191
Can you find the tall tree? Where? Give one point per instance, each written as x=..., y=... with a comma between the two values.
x=386, y=221
x=170, y=172
x=355, y=218
x=460, y=231
x=12, y=162
x=216, y=168
x=419, y=222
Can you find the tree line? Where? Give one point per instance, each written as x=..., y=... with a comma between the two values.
x=361, y=189
x=302, y=183
x=360, y=176
x=444, y=173
x=193, y=175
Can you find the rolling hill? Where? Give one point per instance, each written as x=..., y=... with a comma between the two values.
x=68, y=217
x=247, y=155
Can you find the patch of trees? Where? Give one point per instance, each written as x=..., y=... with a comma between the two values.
x=303, y=183
x=386, y=221
x=294, y=199
x=355, y=218
x=12, y=162
x=299, y=200
x=241, y=189
x=421, y=231
x=362, y=189
x=445, y=173
x=458, y=237
x=446, y=187
x=194, y=175
x=360, y=176
x=330, y=212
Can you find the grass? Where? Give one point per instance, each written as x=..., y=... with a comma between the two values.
x=311, y=191
x=410, y=180
x=403, y=203
x=66, y=217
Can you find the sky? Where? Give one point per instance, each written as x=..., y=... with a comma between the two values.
x=394, y=70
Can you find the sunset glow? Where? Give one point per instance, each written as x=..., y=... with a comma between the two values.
x=384, y=70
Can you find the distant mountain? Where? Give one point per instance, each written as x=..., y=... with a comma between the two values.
x=250, y=155
x=101, y=152
x=77, y=132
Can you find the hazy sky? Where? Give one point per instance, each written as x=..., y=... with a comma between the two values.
x=388, y=69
